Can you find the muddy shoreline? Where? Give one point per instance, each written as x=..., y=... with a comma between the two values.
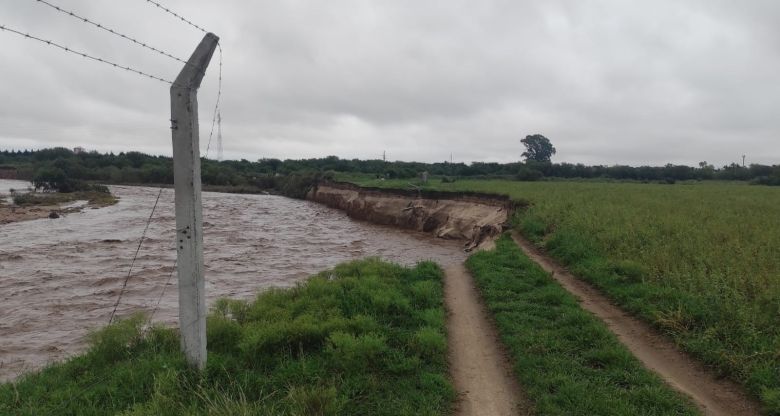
x=11, y=213
x=58, y=206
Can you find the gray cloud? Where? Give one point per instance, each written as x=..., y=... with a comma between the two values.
x=607, y=81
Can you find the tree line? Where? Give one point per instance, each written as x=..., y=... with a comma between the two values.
x=140, y=168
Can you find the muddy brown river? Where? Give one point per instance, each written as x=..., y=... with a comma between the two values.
x=59, y=278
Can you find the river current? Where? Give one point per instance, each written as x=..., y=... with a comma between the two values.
x=60, y=278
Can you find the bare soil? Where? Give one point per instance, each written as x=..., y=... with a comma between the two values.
x=714, y=396
x=45, y=204
x=480, y=369
x=11, y=213
x=471, y=218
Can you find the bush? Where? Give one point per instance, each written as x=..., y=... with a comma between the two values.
x=51, y=179
x=528, y=175
x=766, y=180
x=54, y=179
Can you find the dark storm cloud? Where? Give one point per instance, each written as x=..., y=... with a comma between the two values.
x=606, y=81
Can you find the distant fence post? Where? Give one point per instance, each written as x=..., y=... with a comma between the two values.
x=189, y=221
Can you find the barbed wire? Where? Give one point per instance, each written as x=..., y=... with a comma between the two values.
x=216, y=106
x=162, y=292
x=137, y=250
x=171, y=12
x=112, y=31
x=88, y=56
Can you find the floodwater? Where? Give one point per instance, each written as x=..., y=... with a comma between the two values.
x=60, y=278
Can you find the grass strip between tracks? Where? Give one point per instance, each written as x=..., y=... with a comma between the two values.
x=566, y=359
x=367, y=337
x=697, y=261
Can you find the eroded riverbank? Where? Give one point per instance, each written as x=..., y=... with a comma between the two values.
x=61, y=277
x=469, y=217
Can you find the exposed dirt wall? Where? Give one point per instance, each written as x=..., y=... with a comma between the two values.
x=8, y=173
x=471, y=217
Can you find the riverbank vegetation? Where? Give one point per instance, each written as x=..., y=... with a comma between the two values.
x=100, y=197
x=31, y=204
x=140, y=168
x=701, y=262
x=566, y=359
x=57, y=188
x=366, y=337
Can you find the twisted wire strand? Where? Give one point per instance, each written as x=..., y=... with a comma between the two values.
x=216, y=106
x=137, y=250
x=162, y=292
x=112, y=31
x=88, y=56
x=169, y=11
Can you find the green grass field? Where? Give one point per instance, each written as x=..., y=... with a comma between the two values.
x=566, y=359
x=701, y=261
x=366, y=338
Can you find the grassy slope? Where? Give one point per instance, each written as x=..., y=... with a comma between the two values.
x=364, y=338
x=699, y=261
x=567, y=360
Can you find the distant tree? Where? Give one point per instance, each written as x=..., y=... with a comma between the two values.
x=49, y=178
x=537, y=148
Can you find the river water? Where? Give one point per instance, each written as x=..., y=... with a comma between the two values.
x=59, y=278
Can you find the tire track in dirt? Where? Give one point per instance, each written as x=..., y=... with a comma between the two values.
x=714, y=396
x=479, y=367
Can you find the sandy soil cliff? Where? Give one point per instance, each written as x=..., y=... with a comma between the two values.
x=470, y=217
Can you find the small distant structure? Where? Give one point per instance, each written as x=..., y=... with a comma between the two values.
x=424, y=177
x=79, y=150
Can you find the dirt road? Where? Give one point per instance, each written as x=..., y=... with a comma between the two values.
x=480, y=369
x=714, y=396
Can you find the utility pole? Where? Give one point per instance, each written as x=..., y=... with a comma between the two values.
x=189, y=220
x=743, y=161
x=384, y=156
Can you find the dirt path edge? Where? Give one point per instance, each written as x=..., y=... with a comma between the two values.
x=481, y=372
x=714, y=396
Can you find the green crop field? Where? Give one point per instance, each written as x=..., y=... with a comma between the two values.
x=700, y=261
x=565, y=358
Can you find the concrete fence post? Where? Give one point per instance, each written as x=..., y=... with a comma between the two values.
x=189, y=222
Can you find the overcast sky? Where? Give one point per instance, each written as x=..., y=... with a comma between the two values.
x=608, y=82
